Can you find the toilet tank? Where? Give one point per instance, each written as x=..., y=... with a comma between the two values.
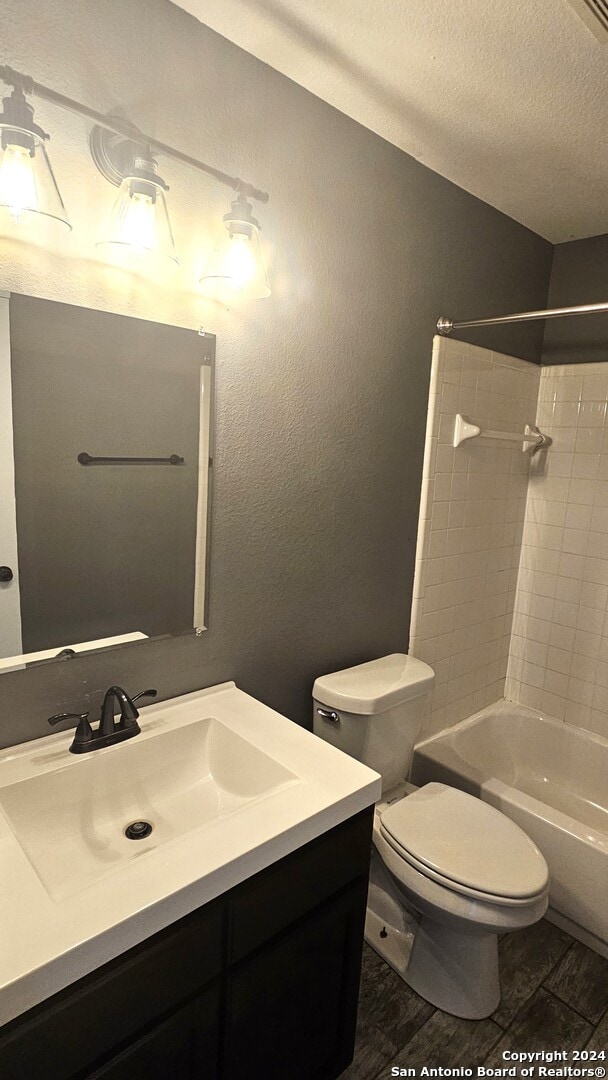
x=374, y=711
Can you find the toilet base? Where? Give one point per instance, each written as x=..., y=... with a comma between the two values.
x=457, y=972
x=389, y=926
x=392, y=943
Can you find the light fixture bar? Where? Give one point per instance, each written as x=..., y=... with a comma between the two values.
x=128, y=130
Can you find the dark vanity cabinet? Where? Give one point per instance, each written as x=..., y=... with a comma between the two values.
x=260, y=983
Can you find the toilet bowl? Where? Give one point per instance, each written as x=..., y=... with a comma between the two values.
x=449, y=872
x=461, y=895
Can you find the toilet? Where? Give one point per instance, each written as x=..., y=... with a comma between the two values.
x=449, y=873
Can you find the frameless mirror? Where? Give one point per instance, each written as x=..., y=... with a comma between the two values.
x=105, y=443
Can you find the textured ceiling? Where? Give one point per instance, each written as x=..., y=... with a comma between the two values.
x=507, y=99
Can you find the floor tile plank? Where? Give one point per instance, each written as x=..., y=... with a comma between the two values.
x=544, y=1023
x=373, y=1055
x=554, y=997
x=526, y=958
x=448, y=1041
x=581, y=980
x=386, y=1002
x=599, y=1039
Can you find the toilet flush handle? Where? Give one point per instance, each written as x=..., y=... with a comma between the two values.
x=329, y=715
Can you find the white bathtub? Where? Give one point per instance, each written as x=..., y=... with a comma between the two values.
x=552, y=779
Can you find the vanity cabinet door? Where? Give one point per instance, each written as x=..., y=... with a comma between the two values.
x=185, y=1047
x=113, y=1006
x=292, y=1005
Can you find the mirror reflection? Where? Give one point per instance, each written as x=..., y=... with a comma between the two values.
x=105, y=433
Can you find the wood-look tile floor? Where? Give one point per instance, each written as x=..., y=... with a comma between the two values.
x=554, y=997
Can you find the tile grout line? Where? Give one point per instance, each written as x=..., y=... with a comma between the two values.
x=568, y=1005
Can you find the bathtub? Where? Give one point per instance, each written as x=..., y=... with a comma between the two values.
x=550, y=778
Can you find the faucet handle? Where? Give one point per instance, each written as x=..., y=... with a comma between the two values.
x=128, y=708
x=58, y=717
x=84, y=731
x=144, y=693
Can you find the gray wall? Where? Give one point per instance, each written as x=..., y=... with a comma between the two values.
x=321, y=390
x=579, y=276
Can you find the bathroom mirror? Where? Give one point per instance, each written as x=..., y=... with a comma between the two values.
x=105, y=443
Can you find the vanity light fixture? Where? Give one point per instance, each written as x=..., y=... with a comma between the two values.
x=27, y=182
x=237, y=265
x=139, y=219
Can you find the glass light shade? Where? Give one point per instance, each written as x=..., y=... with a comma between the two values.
x=27, y=183
x=139, y=220
x=236, y=267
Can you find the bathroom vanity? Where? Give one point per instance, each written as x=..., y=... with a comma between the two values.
x=222, y=946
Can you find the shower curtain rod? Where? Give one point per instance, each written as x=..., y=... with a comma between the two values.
x=445, y=325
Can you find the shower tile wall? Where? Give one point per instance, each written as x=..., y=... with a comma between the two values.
x=559, y=649
x=470, y=528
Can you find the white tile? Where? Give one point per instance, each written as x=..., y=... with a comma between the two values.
x=593, y=595
x=591, y=619
x=569, y=589
x=562, y=636
x=578, y=517
x=585, y=466
x=442, y=485
x=580, y=690
x=575, y=541
x=557, y=683
x=565, y=614
x=565, y=413
x=596, y=570
x=589, y=440
x=578, y=715
x=578, y=491
x=572, y=565
x=559, y=660
x=595, y=387
x=561, y=465
x=599, y=519
x=587, y=644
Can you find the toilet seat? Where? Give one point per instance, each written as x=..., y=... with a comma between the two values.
x=465, y=845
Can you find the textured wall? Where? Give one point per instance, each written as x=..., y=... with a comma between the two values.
x=469, y=535
x=321, y=390
x=579, y=276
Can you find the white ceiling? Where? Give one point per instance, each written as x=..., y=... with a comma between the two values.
x=507, y=98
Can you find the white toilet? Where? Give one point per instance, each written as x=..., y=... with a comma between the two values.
x=449, y=873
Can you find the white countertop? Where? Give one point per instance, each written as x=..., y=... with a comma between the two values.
x=47, y=943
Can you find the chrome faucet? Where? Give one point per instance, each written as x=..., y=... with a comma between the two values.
x=108, y=730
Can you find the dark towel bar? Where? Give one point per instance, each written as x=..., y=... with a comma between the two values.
x=86, y=459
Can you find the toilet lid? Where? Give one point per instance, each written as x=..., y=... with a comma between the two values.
x=457, y=837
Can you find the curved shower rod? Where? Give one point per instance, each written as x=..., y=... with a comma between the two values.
x=445, y=326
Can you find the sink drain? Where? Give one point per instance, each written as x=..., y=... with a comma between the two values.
x=138, y=830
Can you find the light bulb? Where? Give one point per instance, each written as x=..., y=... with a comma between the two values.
x=236, y=266
x=239, y=262
x=138, y=223
x=17, y=182
x=138, y=227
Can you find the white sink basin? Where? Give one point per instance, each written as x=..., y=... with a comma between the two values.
x=228, y=785
x=71, y=821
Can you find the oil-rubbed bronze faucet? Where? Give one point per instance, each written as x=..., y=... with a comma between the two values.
x=108, y=731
